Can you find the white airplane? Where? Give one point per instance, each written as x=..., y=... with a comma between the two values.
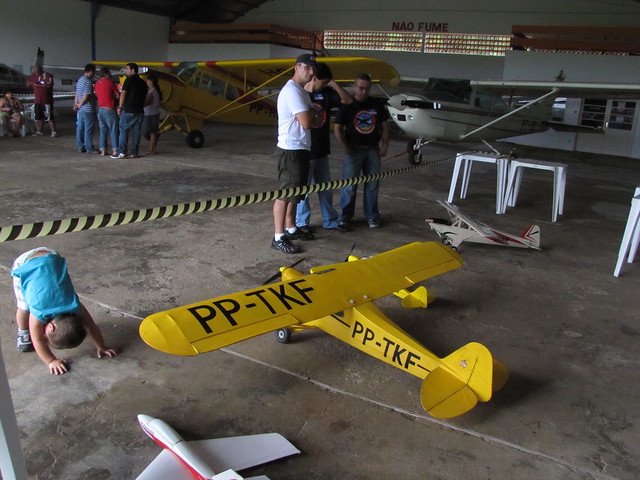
x=472, y=111
x=462, y=228
x=181, y=460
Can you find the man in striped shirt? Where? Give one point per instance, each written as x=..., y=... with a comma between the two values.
x=84, y=106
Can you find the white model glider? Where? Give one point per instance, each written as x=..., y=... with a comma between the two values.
x=200, y=459
x=462, y=228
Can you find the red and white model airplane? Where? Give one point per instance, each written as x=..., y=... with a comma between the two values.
x=182, y=460
x=462, y=228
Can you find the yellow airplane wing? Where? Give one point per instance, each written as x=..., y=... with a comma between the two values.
x=258, y=72
x=212, y=324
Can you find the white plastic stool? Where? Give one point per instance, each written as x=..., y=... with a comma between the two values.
x=631, y=236
x=515, y=178
x=466, y=160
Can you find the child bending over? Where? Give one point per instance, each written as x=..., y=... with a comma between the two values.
x=49, y=310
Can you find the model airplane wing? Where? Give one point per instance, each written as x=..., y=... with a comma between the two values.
x=234, y=453
x=212, y=324
x=474, y=224
x=182, y=460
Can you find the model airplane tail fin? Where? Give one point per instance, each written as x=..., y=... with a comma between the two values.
x=532, y=235
x=455, y=387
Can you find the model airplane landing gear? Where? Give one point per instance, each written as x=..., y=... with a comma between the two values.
x=195, y=139
x=449, y=243
x=283, y=335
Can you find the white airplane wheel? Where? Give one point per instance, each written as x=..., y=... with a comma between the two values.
x=195, y=139
x=283, y=335
x=447, y=241
x=415, y=156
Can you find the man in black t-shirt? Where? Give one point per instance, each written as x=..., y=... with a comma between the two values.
x=362, y=128
x=325, y=95
x=131, y=111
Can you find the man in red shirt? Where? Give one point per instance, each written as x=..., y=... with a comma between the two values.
x=42, y=84
x=107, y=93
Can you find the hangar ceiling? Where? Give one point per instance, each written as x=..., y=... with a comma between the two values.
x=202, y=11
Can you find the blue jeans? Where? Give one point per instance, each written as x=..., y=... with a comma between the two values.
x=108, y=120
x=365, y=160
x=85, y=123
x=319, y=172
x=130, y=122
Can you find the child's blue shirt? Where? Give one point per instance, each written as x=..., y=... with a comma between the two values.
x=47, y=287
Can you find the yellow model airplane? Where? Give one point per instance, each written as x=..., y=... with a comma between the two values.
x=240, y=91
x=338, y=299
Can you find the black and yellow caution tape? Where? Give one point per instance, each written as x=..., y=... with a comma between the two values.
x=92, y=222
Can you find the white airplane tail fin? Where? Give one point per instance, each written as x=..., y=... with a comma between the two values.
x=532, y=235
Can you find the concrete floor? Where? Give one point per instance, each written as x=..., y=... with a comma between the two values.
x=565, y=327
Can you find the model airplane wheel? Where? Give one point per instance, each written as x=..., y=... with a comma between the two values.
x=447, y=241
x=195, y=139
x=283, y=335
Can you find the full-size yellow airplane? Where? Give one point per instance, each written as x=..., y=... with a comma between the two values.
x=240, y=91
x=338, y=299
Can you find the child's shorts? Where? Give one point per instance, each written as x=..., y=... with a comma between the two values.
x=17, y=285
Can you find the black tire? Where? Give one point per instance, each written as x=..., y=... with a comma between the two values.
x=415, y=158
x=283, y=335
x=195, y=139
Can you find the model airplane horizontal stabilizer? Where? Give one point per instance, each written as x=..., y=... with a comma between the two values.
x=462, y=228
x=181, y=460
x=216, y=323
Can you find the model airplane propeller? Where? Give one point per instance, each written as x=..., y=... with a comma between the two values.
x=462, y=228
x=182, y=460
x=338, y=299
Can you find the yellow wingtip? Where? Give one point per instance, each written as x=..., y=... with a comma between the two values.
x=161, y=332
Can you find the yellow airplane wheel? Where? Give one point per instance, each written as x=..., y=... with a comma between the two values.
x=195, y=139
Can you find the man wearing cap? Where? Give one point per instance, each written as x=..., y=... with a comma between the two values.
x=294, y=145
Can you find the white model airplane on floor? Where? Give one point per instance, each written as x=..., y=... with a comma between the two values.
x=462, y=228
x=200, y=459
x=472, y=111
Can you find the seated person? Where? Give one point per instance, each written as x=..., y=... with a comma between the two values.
x=11, y=108
x=49, y=311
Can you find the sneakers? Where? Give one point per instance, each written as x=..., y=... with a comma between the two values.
x=23, y=341
x=300, y=234
x=374, y=224
x=344, y=223
x=54, y=134
x=115, y=155
x=37, y=134
x=284, y=245
x=338, y=228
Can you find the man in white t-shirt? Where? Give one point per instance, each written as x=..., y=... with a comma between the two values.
x=294, y=144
